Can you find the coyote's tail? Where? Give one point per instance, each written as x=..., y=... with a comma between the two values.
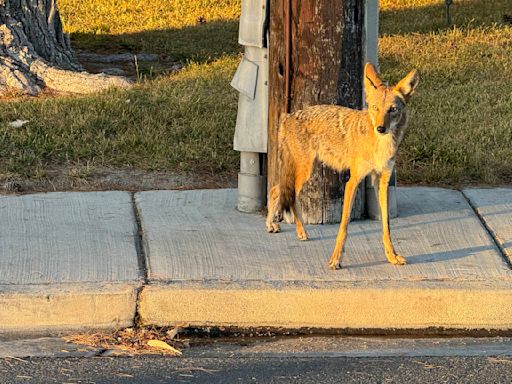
x=286, y=179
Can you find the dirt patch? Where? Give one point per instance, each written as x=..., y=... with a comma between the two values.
x=67, y=178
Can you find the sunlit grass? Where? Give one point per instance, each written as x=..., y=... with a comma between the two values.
x=130, y=16
x=198, y=30
x=425, y=16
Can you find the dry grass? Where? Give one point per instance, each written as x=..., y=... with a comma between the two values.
x=460, y=129
x=133, y=341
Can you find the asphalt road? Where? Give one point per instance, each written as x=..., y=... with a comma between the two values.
x=275, y=360
x=145, y=370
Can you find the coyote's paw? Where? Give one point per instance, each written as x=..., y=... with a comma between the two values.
x=335, y=261
x=302, y=235
x=273, y=228
x=396, y=259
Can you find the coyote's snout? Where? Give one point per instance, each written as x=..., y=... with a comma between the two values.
x=365, y=142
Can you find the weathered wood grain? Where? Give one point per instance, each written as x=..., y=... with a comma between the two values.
x=326, y=68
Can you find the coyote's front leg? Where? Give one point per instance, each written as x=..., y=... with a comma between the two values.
x=348, y=199
x=391, y=255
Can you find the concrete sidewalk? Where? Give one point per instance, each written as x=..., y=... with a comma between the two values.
x=77, y=261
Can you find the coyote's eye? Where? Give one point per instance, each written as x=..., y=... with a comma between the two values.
x=393, y=109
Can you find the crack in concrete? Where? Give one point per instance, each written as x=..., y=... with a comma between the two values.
x=141, y=255
x=489, y=231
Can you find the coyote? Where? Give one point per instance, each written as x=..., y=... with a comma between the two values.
x=365, y=142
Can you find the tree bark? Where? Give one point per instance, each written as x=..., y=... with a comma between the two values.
x=326, y=68
x=36, y=54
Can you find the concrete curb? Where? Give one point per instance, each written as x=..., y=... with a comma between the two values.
x=206, y=264
x=47, y=310
x=212, y=266
x=68, y=261
x=403, y=307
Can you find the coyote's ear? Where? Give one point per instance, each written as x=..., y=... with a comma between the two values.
x=371, y=77
x=408, y=84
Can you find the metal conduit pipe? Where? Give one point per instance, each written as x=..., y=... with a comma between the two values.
x=251, y=184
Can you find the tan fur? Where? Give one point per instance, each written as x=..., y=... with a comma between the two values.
x=343, y=138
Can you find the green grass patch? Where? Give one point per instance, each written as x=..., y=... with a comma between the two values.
x=425, y=16
x=199, y=43
x=184, y=122
x=460, y=131
x=179, y=29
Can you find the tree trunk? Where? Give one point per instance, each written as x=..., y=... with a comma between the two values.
x=326, y=64
x=36, y=54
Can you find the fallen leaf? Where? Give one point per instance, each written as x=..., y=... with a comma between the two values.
x=163, y=345
x=190, y=369
x=498, y=360
x=174, y=332
x=18, y=123
x=427, y=365
x=16, y=358
x=121, y=374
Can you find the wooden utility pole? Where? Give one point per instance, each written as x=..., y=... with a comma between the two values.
x=316, y=56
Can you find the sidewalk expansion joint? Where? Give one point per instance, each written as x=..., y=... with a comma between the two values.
x=141, y=254
x=489, y=231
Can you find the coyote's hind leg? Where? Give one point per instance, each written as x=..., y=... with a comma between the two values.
x=300, y=179
x=273, y=205
x=299, y=226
